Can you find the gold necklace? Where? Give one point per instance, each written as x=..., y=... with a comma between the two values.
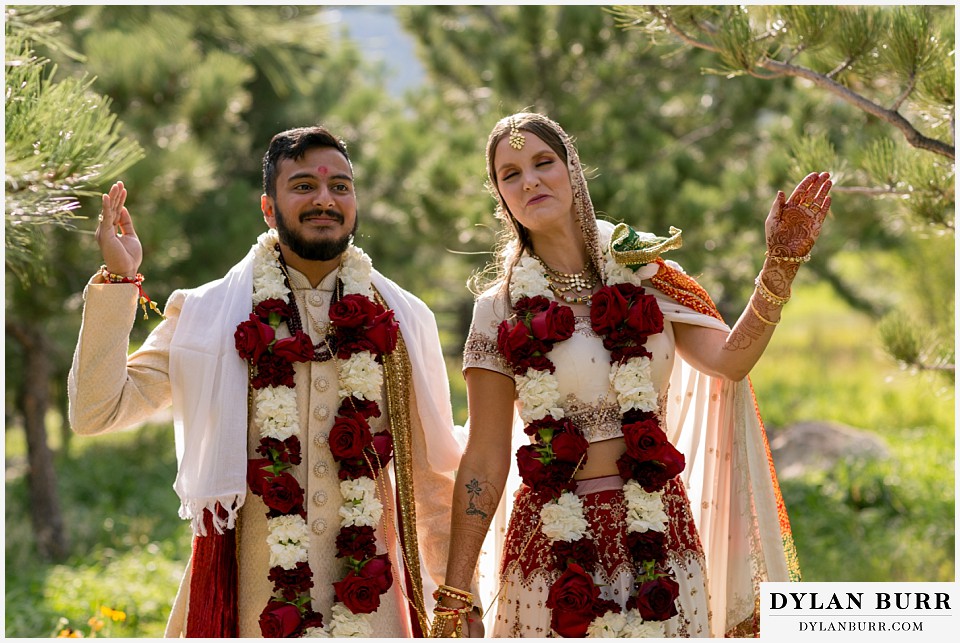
x=562, y=283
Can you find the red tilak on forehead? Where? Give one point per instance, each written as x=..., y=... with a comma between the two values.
x=323, y=170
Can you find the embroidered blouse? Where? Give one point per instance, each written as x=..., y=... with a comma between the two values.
x=583, y=364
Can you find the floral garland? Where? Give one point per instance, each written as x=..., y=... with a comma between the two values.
x=624, y=316
x=363, y=332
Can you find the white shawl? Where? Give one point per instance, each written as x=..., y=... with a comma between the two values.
x=209, y=385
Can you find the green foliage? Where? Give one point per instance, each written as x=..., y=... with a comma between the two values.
x=61, y=139
x=129, y=546
x=877, y=520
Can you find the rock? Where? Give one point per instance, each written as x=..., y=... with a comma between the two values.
x=807, y=446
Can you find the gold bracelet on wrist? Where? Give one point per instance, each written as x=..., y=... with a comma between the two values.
x=454, y=593
x=781, y=259
x=761, y=317
x=768, y=295
x=440, y=617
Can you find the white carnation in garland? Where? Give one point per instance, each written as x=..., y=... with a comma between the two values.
x=267, y=277
x=527, y=280
x=637, y=628
x=608, y=626
x=360, y=376
x=614, y=273
x=315, y=633
x=360, y=507
x=563, y=518
x=355, y=270
x=644, y=509
x=539, y=395
x=276, y=413
x=286, y=538
x=344, y=623
x=634, y=386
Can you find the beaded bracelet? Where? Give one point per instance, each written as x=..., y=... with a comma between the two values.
x=779, y=259
x=137, y=281
x=454, y=593
x=761, y=317
x=769, y=296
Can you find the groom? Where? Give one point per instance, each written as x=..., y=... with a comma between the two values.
x=311, y=411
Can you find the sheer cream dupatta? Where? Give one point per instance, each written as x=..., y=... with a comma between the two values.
x=734, y=494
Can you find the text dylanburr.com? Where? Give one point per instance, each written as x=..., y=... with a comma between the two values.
x=859, y=611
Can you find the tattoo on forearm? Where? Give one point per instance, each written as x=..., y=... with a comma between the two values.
x=474, y=496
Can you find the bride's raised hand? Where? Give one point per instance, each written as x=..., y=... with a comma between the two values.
x=793, y=225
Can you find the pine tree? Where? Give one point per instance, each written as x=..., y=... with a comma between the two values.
x=61, y=140
x=890, y=68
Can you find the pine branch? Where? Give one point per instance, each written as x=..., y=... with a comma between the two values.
x=824, y=81
x=891, y=116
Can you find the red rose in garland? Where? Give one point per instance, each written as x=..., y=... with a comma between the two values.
x=382, y=333
x=298, y=348
x=519, y=347
x=352, y=311
x=656, y=600
x=554, y=324
x=570, y=447
x=378, y=569
x=360, y=595
x=349, y=436
x=363, y=325
x=253, y=338
x=258, y=471
x=571, y=599
x=607, y=309
x=644, y=438
x=279, y=620
x=283, y=494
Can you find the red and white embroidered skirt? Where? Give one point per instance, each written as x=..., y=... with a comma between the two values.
x=528, y=568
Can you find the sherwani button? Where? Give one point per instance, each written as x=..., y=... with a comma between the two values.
x=319, y=526
x=320, y=498
x=320, y=469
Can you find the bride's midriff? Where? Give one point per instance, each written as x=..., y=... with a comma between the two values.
x=602, y=459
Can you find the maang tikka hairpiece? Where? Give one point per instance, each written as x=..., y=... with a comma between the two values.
x=516, y=138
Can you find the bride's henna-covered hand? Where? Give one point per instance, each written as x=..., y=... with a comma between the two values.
x=793, y=225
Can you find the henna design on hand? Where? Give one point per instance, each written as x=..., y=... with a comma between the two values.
x=794, y=224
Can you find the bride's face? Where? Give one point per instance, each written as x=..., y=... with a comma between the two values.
x=534, y=183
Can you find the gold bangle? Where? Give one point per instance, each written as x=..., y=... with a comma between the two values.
x=454, y=593
x=761, y=317
x=770, y=297
x=780, y=259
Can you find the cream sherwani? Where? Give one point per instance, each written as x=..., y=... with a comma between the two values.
x=110, y=391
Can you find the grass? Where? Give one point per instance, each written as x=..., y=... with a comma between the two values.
x=889, y=520
x=129, y=547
